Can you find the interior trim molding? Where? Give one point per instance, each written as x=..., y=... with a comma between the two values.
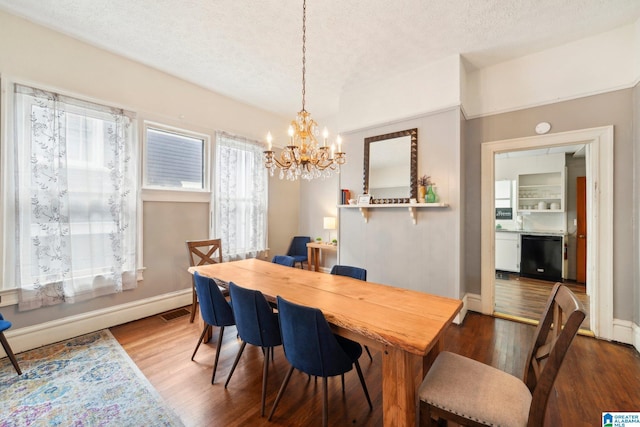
x=31, y=337
x=599, y=143
x=573, y=97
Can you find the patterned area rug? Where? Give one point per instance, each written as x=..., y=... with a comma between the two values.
x=85, y=381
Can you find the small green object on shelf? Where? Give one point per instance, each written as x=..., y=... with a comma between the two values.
x=431, y=195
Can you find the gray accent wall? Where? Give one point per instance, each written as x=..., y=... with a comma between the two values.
x=426, y=256
x=612, y=108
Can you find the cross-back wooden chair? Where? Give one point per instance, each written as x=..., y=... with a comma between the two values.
x=471, y=393
x=203, y=252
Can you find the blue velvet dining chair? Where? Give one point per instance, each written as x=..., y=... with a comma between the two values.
x=298, y=249
x=356, y=273
x=4, y=325
x=215, y=311
x=311, y=347
x=257, y=325
x=286, y=260
x=349, y=271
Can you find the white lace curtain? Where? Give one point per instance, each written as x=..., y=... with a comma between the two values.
x=75, y=200
x=240, y=197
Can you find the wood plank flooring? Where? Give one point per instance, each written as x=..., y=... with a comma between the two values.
x=597, y=376
x=525, y=298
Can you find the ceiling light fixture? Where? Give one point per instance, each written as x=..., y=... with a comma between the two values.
x=304, y=157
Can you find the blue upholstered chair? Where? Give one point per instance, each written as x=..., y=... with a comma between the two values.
x=215, y=311
x=298, y=249
x=356, y=273
x=311, y=347
x=257, y=325
x=4, y=325
x=349, y=271
x=287, y=260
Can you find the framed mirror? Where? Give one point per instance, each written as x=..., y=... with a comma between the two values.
x=391, y=166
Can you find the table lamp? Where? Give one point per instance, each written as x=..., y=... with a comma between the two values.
x=329, y=224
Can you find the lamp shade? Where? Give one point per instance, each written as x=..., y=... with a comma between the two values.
x=329, y=223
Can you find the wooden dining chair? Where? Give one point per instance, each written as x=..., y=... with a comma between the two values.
x=203, y=252
x=470, y=393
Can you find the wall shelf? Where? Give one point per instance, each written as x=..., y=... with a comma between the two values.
x=411, y=207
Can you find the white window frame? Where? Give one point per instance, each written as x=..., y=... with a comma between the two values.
x=165, y=194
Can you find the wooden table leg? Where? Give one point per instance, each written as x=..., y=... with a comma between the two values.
x=309, y=258
x=402, y=374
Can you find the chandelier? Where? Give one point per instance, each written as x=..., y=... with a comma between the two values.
x=304, y=157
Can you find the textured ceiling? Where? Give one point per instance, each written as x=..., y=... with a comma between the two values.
x=251, y=50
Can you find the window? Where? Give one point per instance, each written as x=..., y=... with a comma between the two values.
x=175, y=160
x=76, y=180
x=240, y=200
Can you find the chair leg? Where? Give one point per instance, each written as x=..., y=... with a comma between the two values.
x=235, y=363
x=342, y=378
x=7, y=349
x=280, y=392
x=364, y=385
x=204, y=331
x=215, y=364
x=369, y=353
x=194, y=304
x=325, y=403
x=265, y=373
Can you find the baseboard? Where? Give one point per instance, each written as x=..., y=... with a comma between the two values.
x=30, y=337
x=474, y=302
x=626, y=332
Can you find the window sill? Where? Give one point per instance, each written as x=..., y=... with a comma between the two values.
x=10, y=296
x=153, y=195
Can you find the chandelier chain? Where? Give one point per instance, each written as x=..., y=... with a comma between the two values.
x=304, y=50
x=303, y=157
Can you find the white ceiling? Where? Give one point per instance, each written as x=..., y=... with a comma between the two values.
x=251, y=50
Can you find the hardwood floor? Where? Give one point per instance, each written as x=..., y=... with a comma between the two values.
x=524, y=298
x=597, y=376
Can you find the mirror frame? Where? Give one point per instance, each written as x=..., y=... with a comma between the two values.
x=413, y=159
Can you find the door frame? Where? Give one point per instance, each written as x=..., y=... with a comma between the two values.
x=599, y=165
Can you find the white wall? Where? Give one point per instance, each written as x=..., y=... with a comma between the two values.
x=414, y=92
x=32, y=54
x=597, y=64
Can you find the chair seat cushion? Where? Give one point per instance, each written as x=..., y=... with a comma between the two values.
x=4, y=325
x=476, y=391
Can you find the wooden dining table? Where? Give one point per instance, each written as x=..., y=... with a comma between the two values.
x=407, y=326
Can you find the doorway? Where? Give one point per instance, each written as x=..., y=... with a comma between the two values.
x=599, y=183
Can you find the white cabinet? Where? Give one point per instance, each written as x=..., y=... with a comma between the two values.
x=541, y=192
x=508, y=251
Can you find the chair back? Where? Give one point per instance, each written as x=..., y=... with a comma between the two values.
x=214, y=308
x=286, y=260
x=298, y=246
x=349, y=271
x=256, y=322
x=309, y=344
x=203, y=252
x=551, y=343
